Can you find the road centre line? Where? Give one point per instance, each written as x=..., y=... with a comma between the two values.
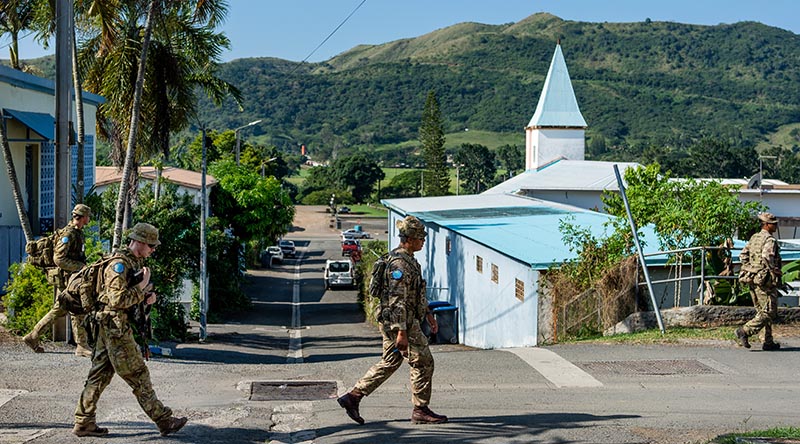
x=295, y=355
x=557, y=370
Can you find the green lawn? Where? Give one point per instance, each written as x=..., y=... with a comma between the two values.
x=368, y=211
x=778, y=432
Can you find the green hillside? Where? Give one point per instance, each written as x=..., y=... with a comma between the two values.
x=638, y=84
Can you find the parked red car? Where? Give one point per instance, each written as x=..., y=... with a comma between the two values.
x=349, y=246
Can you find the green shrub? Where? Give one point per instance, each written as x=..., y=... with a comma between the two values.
x=28, y=297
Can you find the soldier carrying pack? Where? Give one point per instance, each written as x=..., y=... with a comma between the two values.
x=40, y=251
x=84, y=287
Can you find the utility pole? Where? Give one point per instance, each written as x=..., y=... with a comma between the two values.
x=203, y=247
x=63, y=102
x=63, y=181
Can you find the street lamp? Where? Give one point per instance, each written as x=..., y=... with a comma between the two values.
x=266, y=162
x=238, y=141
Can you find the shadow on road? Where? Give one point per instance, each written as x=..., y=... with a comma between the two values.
x=474, y=429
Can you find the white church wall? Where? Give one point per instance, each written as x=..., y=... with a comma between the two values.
x=545, y=145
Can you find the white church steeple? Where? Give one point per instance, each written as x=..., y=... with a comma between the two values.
x=557, y=128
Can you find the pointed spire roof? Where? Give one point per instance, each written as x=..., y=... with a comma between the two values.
x=557, y=105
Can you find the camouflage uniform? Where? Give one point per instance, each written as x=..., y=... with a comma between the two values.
x=761, y=257
x=69, y=257
x=116, y=350
x=403, y=309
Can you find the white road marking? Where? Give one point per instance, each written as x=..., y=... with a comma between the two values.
x=17, y=435
x=295, y=355
x=7, y=395
x=559, y=371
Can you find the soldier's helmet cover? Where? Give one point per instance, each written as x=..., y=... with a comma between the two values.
x=768, y=218
x=411, y=227
x=145, y=233
x=82, y=210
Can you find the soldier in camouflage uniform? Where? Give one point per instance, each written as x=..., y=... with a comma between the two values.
x=69, y=257
x=761, y=271
x=116, y=350
x=402, y=308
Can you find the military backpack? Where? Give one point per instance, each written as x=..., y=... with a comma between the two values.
x=41, y=251
x=84, y=286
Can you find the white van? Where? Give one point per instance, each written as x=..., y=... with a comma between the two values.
x=339, y=273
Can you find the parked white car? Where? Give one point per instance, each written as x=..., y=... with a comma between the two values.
x=355, y=234
x=339, y=274
x=271, y=255
x=287, y=247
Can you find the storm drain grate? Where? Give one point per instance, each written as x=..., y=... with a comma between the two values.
x=292, y=390
x=654, y=367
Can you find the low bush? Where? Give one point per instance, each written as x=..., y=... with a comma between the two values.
x=28, y=297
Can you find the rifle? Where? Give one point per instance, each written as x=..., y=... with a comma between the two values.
x=140, y=316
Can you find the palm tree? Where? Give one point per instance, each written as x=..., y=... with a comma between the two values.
x=15, y=17
x=16, y=191
x=182, y=55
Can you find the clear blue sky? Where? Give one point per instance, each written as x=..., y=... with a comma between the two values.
x=292, y=29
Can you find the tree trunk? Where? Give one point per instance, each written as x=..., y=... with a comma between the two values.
x=12, y=177
x=13, y=51
x=78, y=117
x=130, y=153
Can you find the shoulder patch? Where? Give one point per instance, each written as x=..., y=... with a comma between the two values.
x=65, y=240
x=119, y=267
x=397, y=274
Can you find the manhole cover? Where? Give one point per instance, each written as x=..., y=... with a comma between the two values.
x=292, y=390
x=654, y=367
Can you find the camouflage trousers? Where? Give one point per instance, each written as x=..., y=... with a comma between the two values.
x=117, y=352
x=420, y=360
x=766, y=304
x=56, y=312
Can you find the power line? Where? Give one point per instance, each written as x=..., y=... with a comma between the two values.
x=334, y=31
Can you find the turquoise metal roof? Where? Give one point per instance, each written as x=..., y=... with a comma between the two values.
x=557, y=105
x=528, y=234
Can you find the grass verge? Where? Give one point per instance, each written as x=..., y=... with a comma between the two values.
x=792, y=433
x=654, y=336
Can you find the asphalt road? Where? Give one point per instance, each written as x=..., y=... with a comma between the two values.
x=298, y=332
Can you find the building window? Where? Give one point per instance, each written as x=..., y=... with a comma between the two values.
x=479, y=264
x=495, y=273
x=519, y=290
x=448, y=245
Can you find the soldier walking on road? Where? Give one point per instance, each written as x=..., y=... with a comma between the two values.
x=69, y=257
x=402, y=307
x=126, y=283
x=761, y=271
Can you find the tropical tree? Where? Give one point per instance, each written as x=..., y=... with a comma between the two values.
x=255, y=208
x=162, y=100
x=405, y=184
x=16, y=191
x=431, y=137
x=476, y=166
x=358, y=173
x=15, y=17
x=512, y=158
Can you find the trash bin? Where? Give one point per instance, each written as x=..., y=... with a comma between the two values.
x=338, y=224
x=447, y=318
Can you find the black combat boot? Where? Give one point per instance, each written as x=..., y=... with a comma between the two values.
x=741, y=338
x=770, y=346
x=349, y=402
x=424, y=415
x=171, y=425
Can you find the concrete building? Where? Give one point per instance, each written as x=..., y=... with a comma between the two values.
x=27, y=103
